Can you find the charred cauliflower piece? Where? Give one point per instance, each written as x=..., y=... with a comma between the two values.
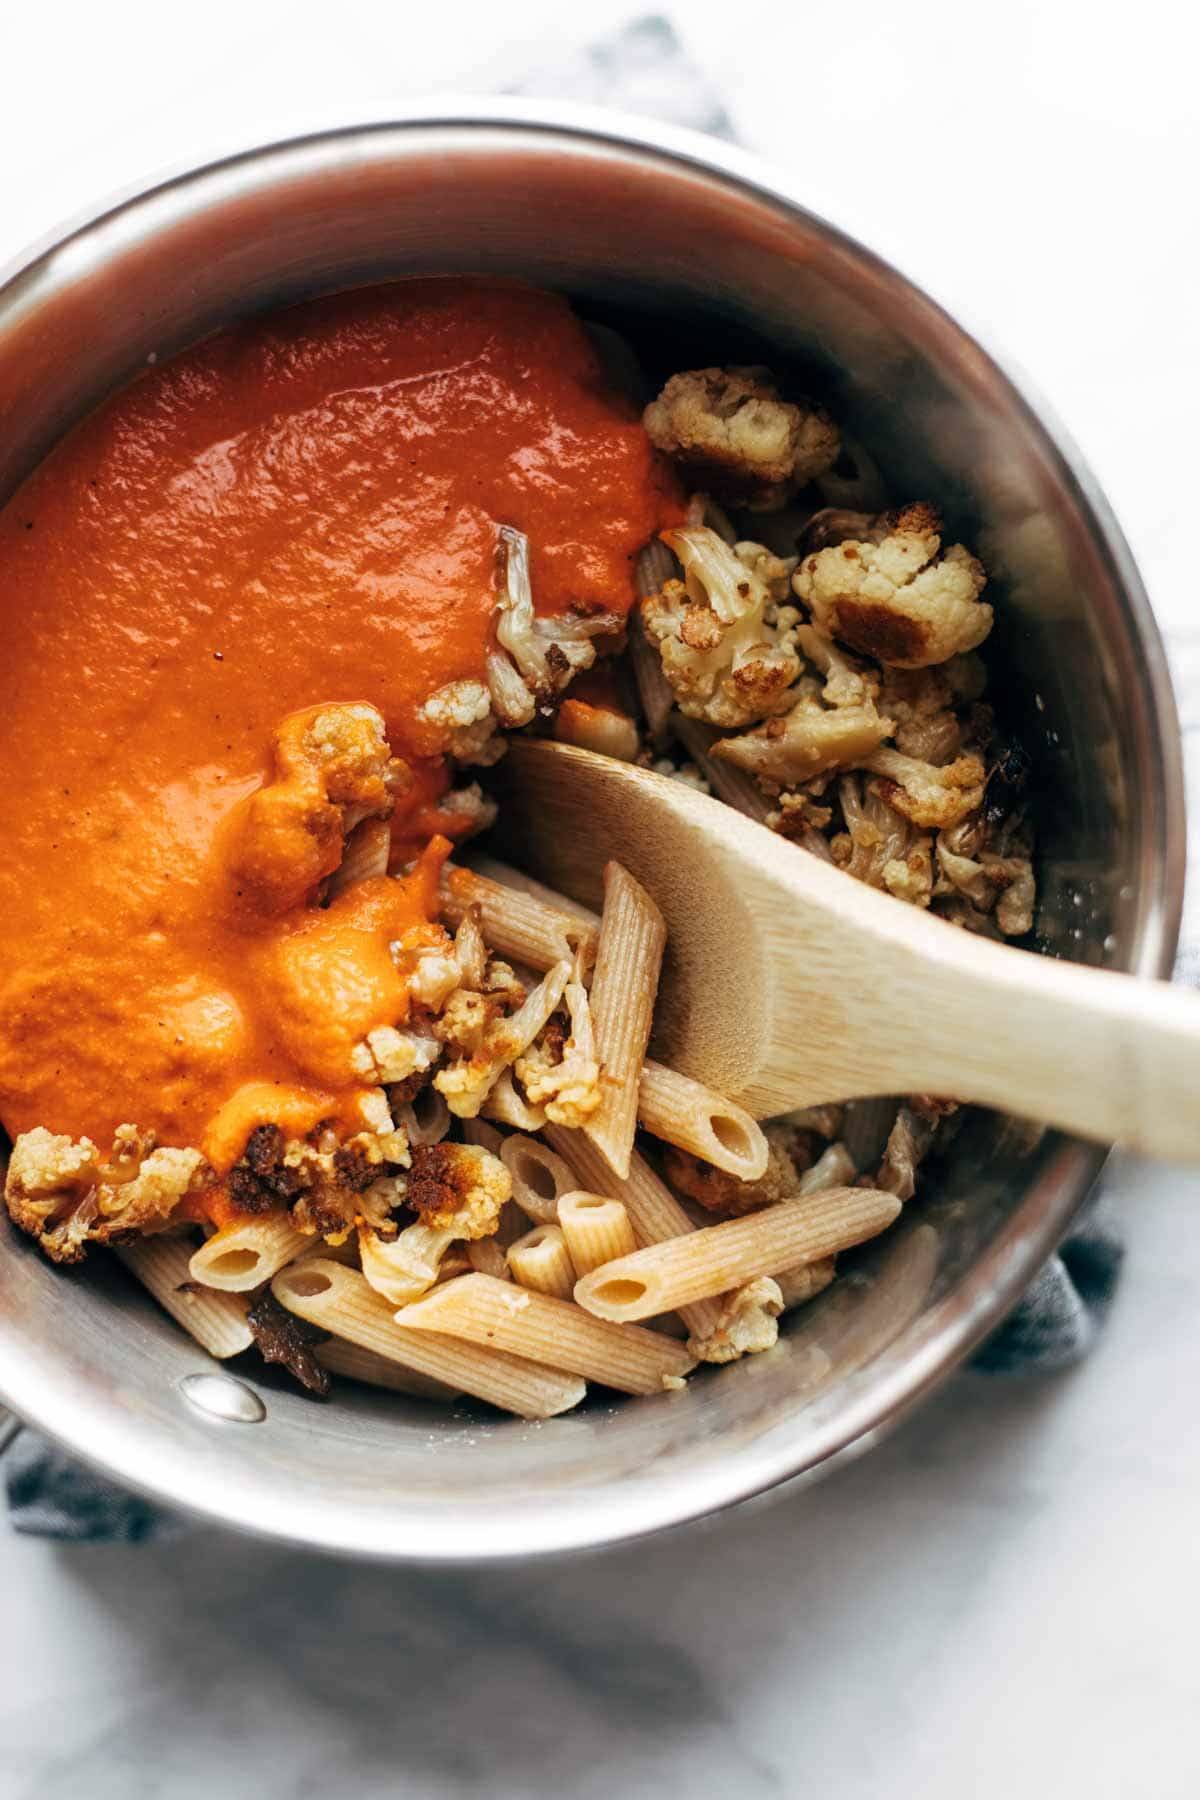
x=730, y=432
x=64, y=1194
x=931, y=797
x=333, y=769
x=727, y=649
x=560, y=1073
x=833, y=723
x=457, y=1191
x=892, y=596
x=461, y=714
x=534, y=658
x=488, y=1041
x=880, y=846
x=746, y=1325
x=329, y=1186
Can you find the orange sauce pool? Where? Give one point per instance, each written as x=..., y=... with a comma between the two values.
x=301, y=510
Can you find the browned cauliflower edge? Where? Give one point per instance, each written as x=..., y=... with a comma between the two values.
x=892, y=596
x=732, y=433
x=67, y=1196
x=333, y=769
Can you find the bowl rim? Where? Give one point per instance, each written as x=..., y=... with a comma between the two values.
x=996, y=1281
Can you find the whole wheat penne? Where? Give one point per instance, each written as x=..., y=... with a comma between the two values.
x=653, y=1210
x=368, y=849
x=487, y=1257
x=456, y=1262
x=541, y=1260
x=509, y=1107
x=689, y=1114
x=805, y=1281
x=478, y=1131
x=511, y=877
x=539, y=1177
x=834, y=1168
x=734, y=786
x=341, y=1301
x=341, y=1357
x=245, y=1254
x=515, y=923
x=631, y=1359
x=652, y=567
x=345, y=1253
x=597, y=1230
x=667, y=1276
x=633, y=935
x=425, y=1119
x=217, y=1321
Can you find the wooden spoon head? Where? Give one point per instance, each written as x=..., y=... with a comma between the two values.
x=567, y=811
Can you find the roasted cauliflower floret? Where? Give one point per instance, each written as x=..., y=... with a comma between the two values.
x=931, y=797
x=534, y=658
x=719, y=1192
x=329, y=1184
x=810, y=739
x=746, y=1324
x=457, y=1191
x=333, y=768
x=907, y=1146
x=880, y=846
x=1003, y=885
x=731, y=432
x=487, y=1041
x=64, y=1194
x=893, y=597
x=461, y=714
x=561, y=1074
x=727, y=649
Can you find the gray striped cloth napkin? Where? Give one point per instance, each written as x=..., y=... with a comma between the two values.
x=642, y=69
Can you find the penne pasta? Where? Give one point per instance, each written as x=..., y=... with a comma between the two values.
x=345, y=1253
x=516, y=923
x=539, y=1177
x=341, y=1357
x=690, y=1115
x=510, y=877
x=341, y=1301
x=667, y=1276
x=487, y=1257
x=597, y=1230
x=653, y=1210
x=629, y=953
x=652, y=567
x=217, y=1321
x=732, y=785
x=542, y=1261
x=244, y=1255
x=368, y=849
x=478, y=1131
x=425, y=1119
x=629, y=1358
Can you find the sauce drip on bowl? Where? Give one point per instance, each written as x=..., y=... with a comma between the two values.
x=300, y=511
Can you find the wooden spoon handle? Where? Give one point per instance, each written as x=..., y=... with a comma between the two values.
x=1108, y=1056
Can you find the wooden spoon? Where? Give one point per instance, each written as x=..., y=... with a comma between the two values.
x=789, y=983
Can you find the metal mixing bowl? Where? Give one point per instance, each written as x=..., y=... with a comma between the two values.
x=691, y=245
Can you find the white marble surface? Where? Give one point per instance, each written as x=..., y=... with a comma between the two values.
x=998, y=1601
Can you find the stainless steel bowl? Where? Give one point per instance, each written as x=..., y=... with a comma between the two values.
x=695, y=246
